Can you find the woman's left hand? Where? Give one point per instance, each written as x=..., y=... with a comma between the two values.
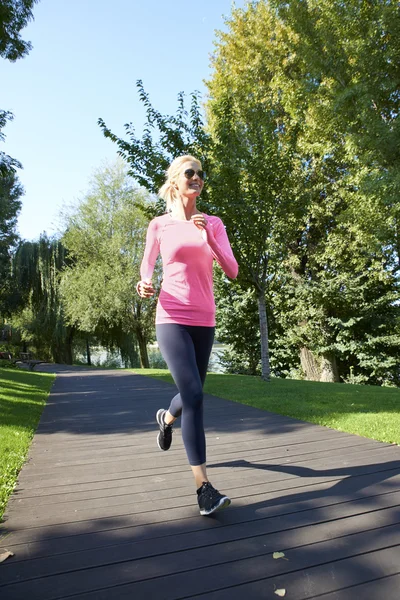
x=200, y=221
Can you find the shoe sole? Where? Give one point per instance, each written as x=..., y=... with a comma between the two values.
x=223, y=503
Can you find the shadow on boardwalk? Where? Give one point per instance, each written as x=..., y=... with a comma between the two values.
x=100, y=513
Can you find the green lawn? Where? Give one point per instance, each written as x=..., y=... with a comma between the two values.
x=23, y=395
x=369, y=411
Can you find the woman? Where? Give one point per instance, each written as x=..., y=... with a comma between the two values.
x=188, y=241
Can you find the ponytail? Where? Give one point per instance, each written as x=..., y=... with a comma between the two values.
x=168, y=191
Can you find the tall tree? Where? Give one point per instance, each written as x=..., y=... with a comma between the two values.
x=105, y=239
x=10, y=205
x=348, y=73
x=254, y=168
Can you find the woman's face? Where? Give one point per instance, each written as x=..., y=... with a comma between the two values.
x=191, y=187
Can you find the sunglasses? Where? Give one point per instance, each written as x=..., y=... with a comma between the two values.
x=189, y=173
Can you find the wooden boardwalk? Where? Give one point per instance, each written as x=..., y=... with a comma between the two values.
x=100, y=513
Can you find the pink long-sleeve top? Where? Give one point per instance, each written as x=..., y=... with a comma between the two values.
x=187, y=252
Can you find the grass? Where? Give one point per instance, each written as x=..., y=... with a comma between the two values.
x=23, y=395
x=369, y=411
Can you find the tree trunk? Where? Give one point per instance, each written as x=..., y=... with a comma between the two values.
x=68, y=346
x=329, y=369
x=144, y=357
x=309, y=365
x=262, y=313
x=89, y=361
x=324, y=369
x=62, y=353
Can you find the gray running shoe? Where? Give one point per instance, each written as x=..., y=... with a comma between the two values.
x=164, y=437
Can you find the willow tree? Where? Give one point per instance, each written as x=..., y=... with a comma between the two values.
x=38, y=312
x=105, y=237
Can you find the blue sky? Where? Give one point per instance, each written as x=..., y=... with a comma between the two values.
x=86, y=57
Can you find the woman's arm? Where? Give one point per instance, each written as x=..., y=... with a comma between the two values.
x=220, y=247
x=151, y=252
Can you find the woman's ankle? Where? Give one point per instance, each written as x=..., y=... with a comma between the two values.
x=168, y=418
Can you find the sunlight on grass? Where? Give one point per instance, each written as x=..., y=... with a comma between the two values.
x=22, y=398
x=370, y=411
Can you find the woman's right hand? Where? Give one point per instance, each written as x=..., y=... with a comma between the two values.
x=145, y=289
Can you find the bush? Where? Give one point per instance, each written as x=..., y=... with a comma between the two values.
x=7, y=364
x=236, y=364
x=156, y=360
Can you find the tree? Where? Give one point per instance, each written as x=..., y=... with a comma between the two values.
x=10, y=205
x=238, y=326
x=348, y=80
x=105, y=239
x=287, y=65
x=37, y=310
x=253, y=154
x=14, y=16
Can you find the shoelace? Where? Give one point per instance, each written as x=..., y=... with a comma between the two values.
x=209, y=491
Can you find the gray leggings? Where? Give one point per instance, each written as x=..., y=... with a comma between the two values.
x=186, y=350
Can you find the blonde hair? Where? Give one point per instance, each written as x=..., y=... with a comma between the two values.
x=168, y=191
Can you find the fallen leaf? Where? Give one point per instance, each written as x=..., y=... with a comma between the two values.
x=281, y=592
x=278, y=555
x=5, y=555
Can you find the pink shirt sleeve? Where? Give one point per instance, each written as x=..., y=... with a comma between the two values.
x=151, y=251
x=220, y=247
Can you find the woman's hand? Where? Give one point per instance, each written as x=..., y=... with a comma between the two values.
x=200, y=221
x=145, y=289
